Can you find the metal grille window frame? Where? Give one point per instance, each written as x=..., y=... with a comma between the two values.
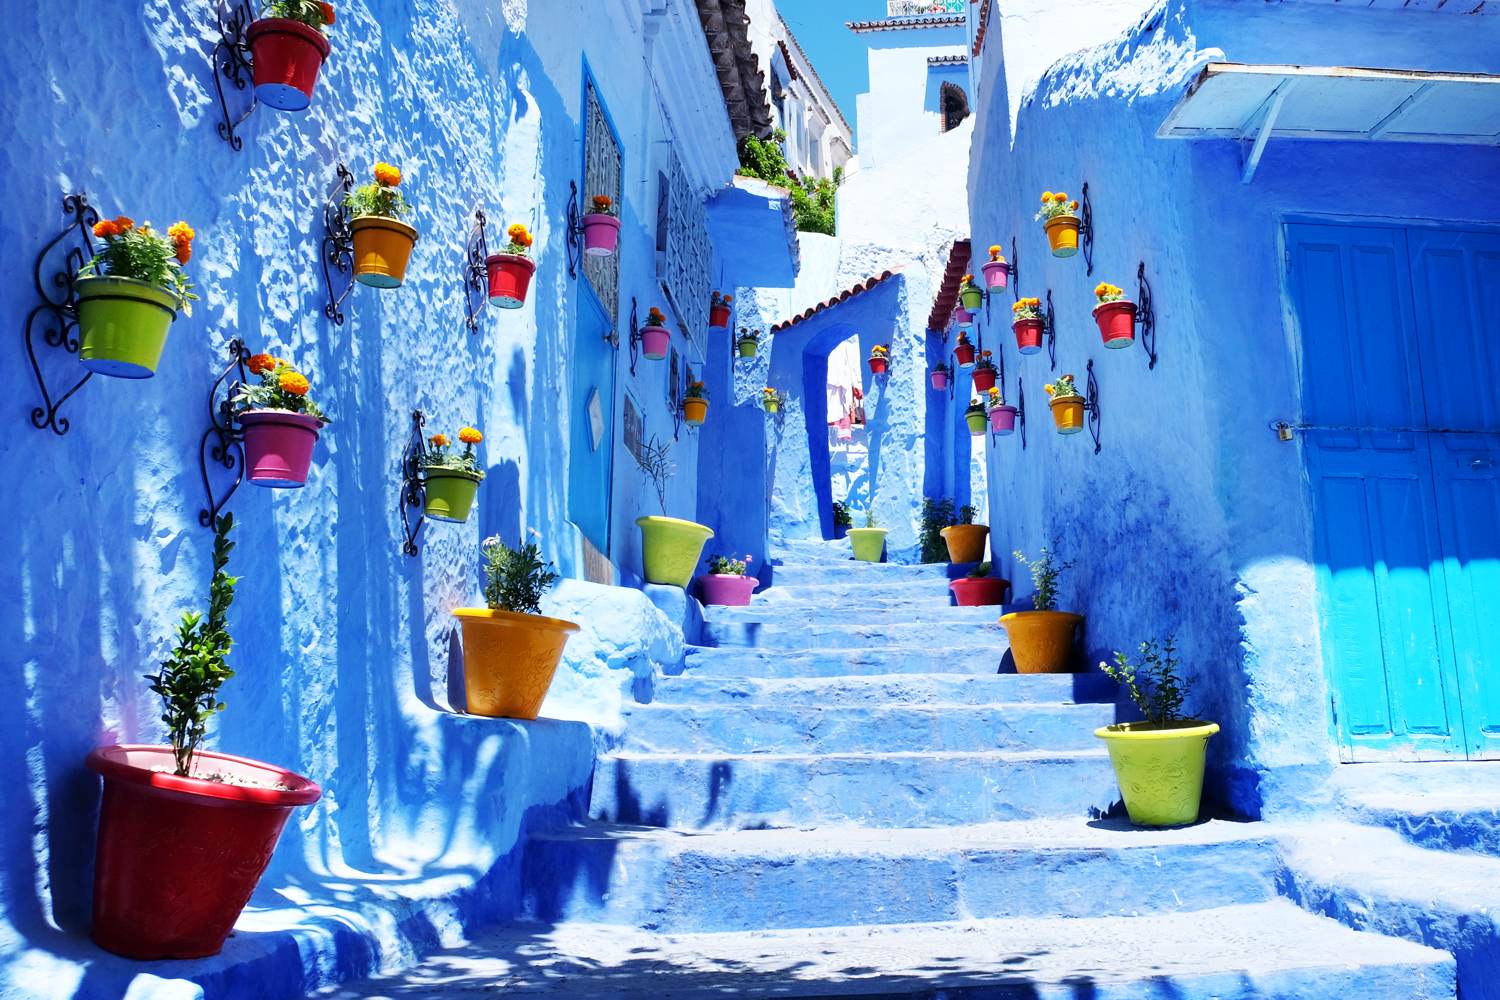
x=602, y=174
x=684, y=268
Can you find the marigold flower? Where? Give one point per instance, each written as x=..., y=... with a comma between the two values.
x=1046, y=197
x=293, y=383
x=1059, y=197
x=728, y=299
x=180, y=231
x=968, y=279
x=1073, y=205
x=259, y=364
x=602, y=202
x=327, y=11
x=438, y=440
x=470, y=435
x=654, y=317
x=184, y=251
x=388, y=175
x=125, y=223
x=105, y=229
x=1049, y=390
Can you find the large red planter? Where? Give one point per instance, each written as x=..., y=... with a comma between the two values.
x=731, y=590
x=1116, y=323
x=510, y=279
x=178, y=858
x=984, y=379
x=965, y=355
x=655, y=342
x=939, y=381
x=974, y=592
x=878, y=365
x=1003, y=420
x=278, y=447
x=996, y=273
x=601, y=234
x=1028, y=335
x=286, y=56
x=718, y=317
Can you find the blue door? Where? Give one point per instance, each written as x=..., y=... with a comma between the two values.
x=1396, y=393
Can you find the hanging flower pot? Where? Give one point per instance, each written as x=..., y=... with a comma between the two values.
x=718, y=310
x=727, y=582
x=511, y=269
x=382, y=242
x=124, y=319
x=963, y=351
x=975, y=418
x=1115, y=315
x=1003, y=419
x=451, y=481
x=748, y=342
x=1028, y=324
x=1067, y=405
x=671, y=548
x=985, y=372
x=695, y=405
x=280, y=423
x=770, y=399
x=979, y=589
x=1058, y=218
x=880, y=358
x=970, y=294
x=656, y=339
x=285, y=57
x=601, y=230
x=868, y=543
x=939, y=378
x=996, y=271
x=963, y=317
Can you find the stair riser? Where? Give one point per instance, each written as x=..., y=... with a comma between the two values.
x=938, y=638
x=841, y=663
x=835, y=693
x=867, y=791
x=931, y=595
x=853, y=572
x=788, y=615
x=1439, y=830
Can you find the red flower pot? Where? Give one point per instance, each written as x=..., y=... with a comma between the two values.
x=718, y=317
x=996, y=273
x=601, y=234
x=965, y=355
x=278, y=447
x=1116, y=323
x=984, y=379
x=178, y=858
x=1028, y=335
x=510, y=279
x=655, y=342
x=973, y=592
x=939, y=381
x=878, y=365
x=286, y=56
x=1003, y=420
x=729, y=590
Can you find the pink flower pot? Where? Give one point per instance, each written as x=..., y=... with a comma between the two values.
x=984, y=379
x=996, y=273
x=878, y=365
x=510, y=278
x=1028, y=335
x=1003, y=420
x=939, y=381
x=718, y=317
x=1116, y=323
x=965, y=355
x=278, y=447
x=974, y=592
x=655, y=342
x=962, y=316
x=601, y=234
x=728, y=590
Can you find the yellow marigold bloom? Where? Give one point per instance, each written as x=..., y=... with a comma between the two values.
x=995, y=250
x=470, y=435
x=968, y=279
x=1018, y=307
x=1046, y=197
x=387, y=174
x=180, y=231
x=293, y=383
x=1101, y=289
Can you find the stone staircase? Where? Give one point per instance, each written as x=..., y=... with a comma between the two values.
x=840, y=796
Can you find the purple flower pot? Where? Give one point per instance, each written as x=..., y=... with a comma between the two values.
x=1003, y=420
x=996, y=273
x=601, y=234
x=278, y=447
x=655, y=342
x=729, y=590
x=963, y=317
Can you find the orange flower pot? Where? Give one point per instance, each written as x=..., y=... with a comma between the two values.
x=1041, y=641
x=1067, y=413
x=382, y=249
x=509, y=660
x=966, y=542
x=695, y=411
x=1062, y=235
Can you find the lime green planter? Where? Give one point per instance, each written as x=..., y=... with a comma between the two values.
x=868, y=543
x=450, y=494
x=122, y=325
x=976, y=421
x=972, y=298
x=748, y=347
x=671, y=548
x=1160, y=769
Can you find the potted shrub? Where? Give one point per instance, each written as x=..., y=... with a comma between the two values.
x=719, y=307
x=748, y=342
x=1159, y=762
x=451, y=479
x=670, y=547
x=656, y=339
x=1002, y=414
x=970, y=294
x=975, y=417
x=510, y=270
x=880, y=359
x=1029, y=324
x=963, y=350
x=939, y=377
x=185, y=833
x=770, y=399
x=842, y=519
x=288, y=44
x=128, y=295
x=279, y=421
x=868, y=542
x=727, y=583
x=601, y=229
x=985, y=372
x=382, y=242
x=996, y=271
x=966, y=540
x=695, y=404
x=511, y=650
x=1067, y=405
x=979, y=589
x=1041, y=640
x=1059, y=217
x=1115, y=315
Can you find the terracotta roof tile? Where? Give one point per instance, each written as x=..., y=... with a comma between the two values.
x=953, y=276
x=844, y=296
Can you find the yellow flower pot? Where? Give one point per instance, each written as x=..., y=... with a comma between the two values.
x=1067, y=414
x=1041, y=641
x=382, y=249
x=695, y=411
x=868, y=543
x=966, y=542
x=1062, y=235
x=1160, y=769
x=509, y=660
x=671, y=548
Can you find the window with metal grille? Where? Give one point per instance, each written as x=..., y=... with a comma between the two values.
x=684, y=267
x=634, y=426
x=601, y=175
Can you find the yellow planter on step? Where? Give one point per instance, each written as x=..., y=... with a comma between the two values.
x=509, y=660
x=670, y=549
x=1160, y=769
x=868, y=543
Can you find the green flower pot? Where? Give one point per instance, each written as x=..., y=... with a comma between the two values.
x=450, y=494
x=868, y=543
x=122, y=325
x=976, y=423
x=748, y=347
x=973, y=298
x=1160, y=769
x=671, y=548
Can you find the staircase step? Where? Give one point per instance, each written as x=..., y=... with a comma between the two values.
x=792, y=614
x=795, y=574
x=859, y=594
x=739, y=791
x=778, y=879
x=839, y=634
x=1452, y=807
x=697, y=688
x=1260, y=950
x=743, y=661
x=771, y=728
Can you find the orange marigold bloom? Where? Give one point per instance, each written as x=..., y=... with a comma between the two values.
x=439, y=440
x=470, y=435
x=184, y=252
x=602, y=202
x=261, y=363
x=327, y=11
x=124, y=223
x=180, y=232
x=388, y=175
x=105, y=228
x=293, y=383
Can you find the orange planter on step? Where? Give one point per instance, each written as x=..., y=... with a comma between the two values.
x=509, y=660
x=966, y=542
x=1041, y=641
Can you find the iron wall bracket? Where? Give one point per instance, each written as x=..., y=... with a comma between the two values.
x=57, y=313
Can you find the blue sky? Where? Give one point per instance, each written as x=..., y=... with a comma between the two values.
x=834, y=49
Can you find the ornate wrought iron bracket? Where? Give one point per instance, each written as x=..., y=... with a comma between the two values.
x=575, y=231
x=1021, y=409
x=635, y=335
x=338, y=247
x=676, y=396
x=222, y=444
x=57, y=312
x=476, y=275
x=1086, y=230
x=1015, y=270
x=1050, y=331
x=1091, y=407
x=1000, y=369
x=1145, y=315
x=413, y=485
x=231, y=61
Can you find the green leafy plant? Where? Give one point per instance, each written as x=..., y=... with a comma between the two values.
x=655, y=462
x=729, y=565
x=975, y=406
x=515, y=578
x=748, y=334
x=281, y=387
x=967, y=513
x=381, y=196
x=143, y=254
x=438, y=453
x=1045, y=571
x=695, y=390
x=814, y=199
x=937, y=514
x=190, y=677
x=313, y=13
x=1152, y=681
x=841, y=516
x=979, y=572
x=870, y=515
x=1064, y=386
